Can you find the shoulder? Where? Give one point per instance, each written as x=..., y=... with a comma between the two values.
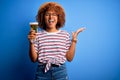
x=40, y=33
x=64, y=32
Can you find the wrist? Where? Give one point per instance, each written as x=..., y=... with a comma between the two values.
x=32, y=41
x=74, y=40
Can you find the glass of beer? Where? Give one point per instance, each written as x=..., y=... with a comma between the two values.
x=34, y=26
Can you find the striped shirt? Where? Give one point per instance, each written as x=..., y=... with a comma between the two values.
x=52, y=47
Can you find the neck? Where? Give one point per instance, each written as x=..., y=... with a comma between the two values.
x=52, y=30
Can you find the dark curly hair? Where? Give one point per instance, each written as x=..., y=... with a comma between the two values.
x=51, y=6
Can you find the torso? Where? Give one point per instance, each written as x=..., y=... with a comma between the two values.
x=52, y=45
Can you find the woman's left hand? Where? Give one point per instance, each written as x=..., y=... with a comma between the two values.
x=75, y=34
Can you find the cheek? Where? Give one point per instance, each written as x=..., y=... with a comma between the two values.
x=56, y=19
x=46, y=19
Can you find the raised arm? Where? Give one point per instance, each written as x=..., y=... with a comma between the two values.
x=71, y=51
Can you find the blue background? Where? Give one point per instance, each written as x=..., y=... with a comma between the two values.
x=97, y=50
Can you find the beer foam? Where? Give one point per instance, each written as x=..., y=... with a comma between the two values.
x=33, y=23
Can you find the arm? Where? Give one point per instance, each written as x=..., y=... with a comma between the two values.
x=32, y=53
x=71, y=52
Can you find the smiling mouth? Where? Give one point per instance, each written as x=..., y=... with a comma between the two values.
x=51, y=21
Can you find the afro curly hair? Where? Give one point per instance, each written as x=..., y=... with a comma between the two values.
x=50, y=6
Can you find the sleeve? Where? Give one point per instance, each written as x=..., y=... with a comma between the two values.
x=68, y=42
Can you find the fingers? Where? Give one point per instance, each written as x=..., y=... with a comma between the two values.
x=31, y=34
x=73, y=33
x=80, y=30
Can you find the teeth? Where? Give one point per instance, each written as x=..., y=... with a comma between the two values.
x=51, y=20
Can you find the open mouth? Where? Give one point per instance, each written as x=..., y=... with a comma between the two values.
x=51, y=21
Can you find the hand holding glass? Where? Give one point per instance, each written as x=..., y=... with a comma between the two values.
x=33, y=30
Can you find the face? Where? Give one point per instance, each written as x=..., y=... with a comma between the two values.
x=51, y=19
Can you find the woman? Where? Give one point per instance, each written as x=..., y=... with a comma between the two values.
x=52, y=46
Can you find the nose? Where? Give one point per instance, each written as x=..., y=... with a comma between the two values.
x=50, y=16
